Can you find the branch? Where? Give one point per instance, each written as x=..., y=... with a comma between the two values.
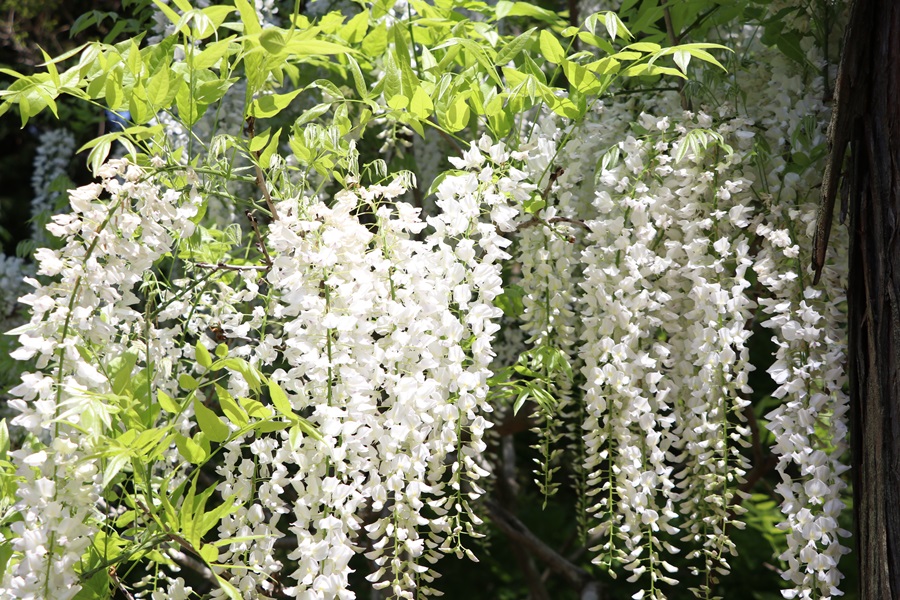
x=758, y=471
x=574, y=21
x=518, y=533
x=446, y=136
x=260, y=176
x=674, y=40
x=536, y=221
x=226, y=267
x=698, y=21
x=508, y=489
x=259, y=238
x=115, y=577
x=194, y=565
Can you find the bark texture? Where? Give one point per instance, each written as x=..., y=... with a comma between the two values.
x=866, y=120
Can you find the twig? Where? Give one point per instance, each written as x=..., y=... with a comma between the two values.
x=287, y=542
x=754, y=434
x=574, y=21
x=674, y=40
x=758, y=471
x=446, y=136
x=698, y=21
x=553, y=177
x=260, y=176
x=167, y=531
x=536, y=221
x=259, y=238
x=115, y=577
x=194, y=565
x=226, y=267
x=645, y=90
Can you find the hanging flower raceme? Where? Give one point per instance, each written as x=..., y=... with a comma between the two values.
x=808, y=324
x=665, y=352
x=84, y=320
x=709, y=244
x=387, y=342
x=628, y=429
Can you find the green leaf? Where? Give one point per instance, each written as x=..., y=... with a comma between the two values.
x=266, y=155
x=212, y=53
x=480, y=55
x=188, y=108
x=329, y=87
x=316, y=48
x=494, y=106
x=248, y=16
x=596, y=41
x=583, y=80
x=148, y=441
x=202, y=355
x=212, y=518
x=272, y=40
x=95, y=588
x=126, y=518
x=511, y=50
x=520, y=400
x=525, y=371
x=230, y=590
x=255, y=408
x=259, y=141
x=647, y=47
x=551, y=49
x=355, y=29
x=209, y=553
x=190, y=450
x=270, y=426
x=647, y=70
x=170, y=14
x=158, y=86
x=188, y=382
x=375, y=41
x=167, y=403
x=421, y=104
x=221, y=351
x=534, y=205
x=511, y=301
x=218, y=14
x=231, y=408
x=210, y=423
x=114, y=93
x=51, y=69
x=239, y=365
x=457, y=115
x=392, y=78
x=122, y=377
x=524, y=9
x=615, y=27
x=98, y=155
x=280, y=400
x=359, y=82
x=113, y=467
x=314, y=113
x=543, y=397
x=4, y=439
x=184, y=5
x=398, y=102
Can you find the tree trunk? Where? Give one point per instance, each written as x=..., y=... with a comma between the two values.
x=866, y=119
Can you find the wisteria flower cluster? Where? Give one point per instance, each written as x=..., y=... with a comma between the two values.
x=254, y=358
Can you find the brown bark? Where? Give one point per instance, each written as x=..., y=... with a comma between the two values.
x=866, y=120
